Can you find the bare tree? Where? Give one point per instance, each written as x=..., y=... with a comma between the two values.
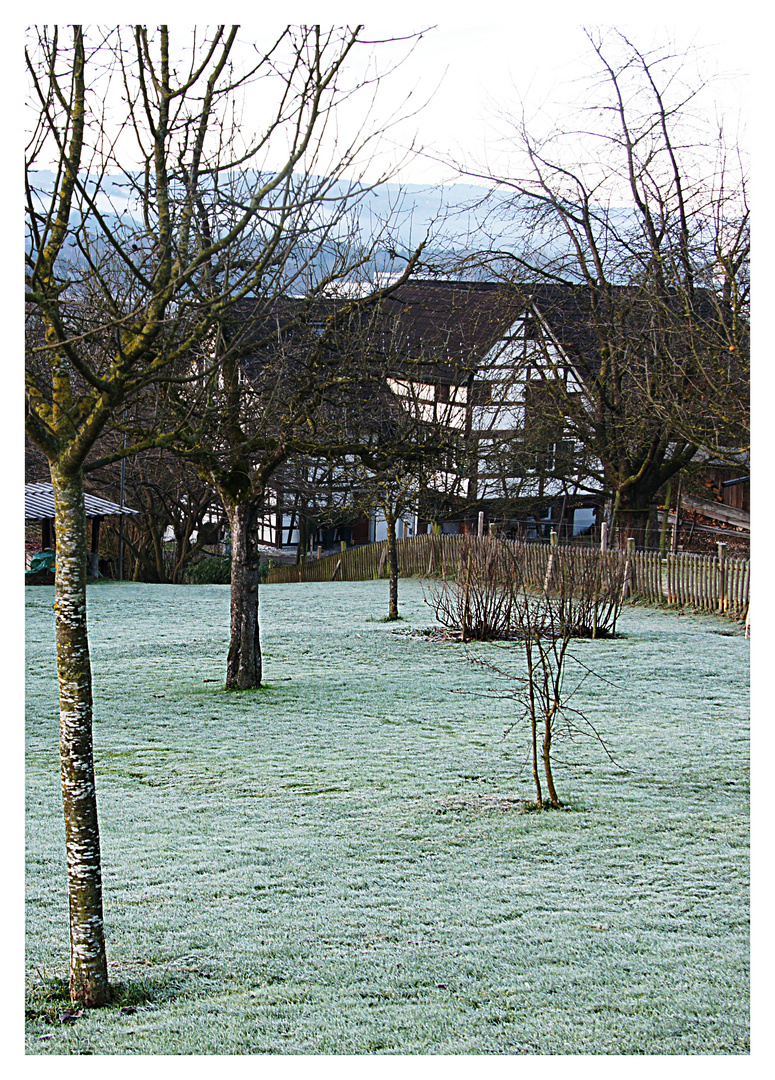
x=392, y=478
x=495, y=594
x=289, y=371
x=176, y=515
x=141, y=180
x=540, y=693
x=636, y=229
x=398, y=449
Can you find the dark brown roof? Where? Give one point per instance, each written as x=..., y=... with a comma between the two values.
x=452, y=322
x=442, y=330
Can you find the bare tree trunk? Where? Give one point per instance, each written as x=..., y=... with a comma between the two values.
x=533, y=721
x=243, y=668
x=88, y=961
x=466, y=593
x=303, y=544
x=392, y=559
x=158, y=554
x=632, y=521
x=546, y=753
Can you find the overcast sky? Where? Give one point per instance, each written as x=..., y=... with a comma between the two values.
x=481, y=58
x=470, y=70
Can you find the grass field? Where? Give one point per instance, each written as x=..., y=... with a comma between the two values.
x=343, y=862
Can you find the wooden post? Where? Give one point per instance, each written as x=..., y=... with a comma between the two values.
x=604, y=537
x=480, y=525
x=628, y=567
x=320, y=552
x=722, y=583
x=550, y=563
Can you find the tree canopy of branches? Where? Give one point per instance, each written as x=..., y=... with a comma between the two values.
x=151, y=207
x=289, y=373
x=640, y=219
x=396, y=457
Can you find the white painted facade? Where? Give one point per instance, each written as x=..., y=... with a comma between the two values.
x=496, y=410
x=491, y=409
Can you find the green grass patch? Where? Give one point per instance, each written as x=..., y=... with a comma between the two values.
x=348, y=861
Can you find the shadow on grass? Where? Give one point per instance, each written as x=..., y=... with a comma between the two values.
x=48, y=1001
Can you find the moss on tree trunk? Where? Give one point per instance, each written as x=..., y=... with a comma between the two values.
x=88, y=962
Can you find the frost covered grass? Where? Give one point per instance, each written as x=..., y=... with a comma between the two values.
x=343, y=861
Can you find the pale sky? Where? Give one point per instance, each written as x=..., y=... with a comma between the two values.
x=471, y=70
x=481, y=58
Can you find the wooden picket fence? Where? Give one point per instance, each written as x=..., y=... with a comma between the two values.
x=703, y=582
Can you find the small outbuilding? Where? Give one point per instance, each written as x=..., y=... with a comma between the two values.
x=39, y=506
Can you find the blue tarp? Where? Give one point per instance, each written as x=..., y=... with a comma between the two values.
x=41, y=560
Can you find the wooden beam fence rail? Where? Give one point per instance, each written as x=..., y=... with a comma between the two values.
x=703, y=582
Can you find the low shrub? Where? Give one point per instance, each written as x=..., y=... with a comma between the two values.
x=483, y=598
x=216, y=570
x=212, y=570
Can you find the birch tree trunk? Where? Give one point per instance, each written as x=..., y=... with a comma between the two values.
x=88, y=962
x=243, y=668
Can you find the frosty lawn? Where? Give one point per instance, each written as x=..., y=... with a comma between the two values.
x=341, y=862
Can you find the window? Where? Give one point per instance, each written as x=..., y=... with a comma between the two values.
x=481, y=393
x=557, y=458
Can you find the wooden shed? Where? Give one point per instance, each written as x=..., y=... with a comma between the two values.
x=39, y=506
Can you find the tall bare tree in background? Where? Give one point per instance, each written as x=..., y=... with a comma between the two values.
x=637, y=221
x=288, y=368
x=141, y=180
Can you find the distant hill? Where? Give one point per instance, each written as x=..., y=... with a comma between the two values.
x=455, y=218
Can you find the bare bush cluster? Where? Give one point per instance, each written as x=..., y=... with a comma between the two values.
x=476, y=601
x=483, y=599
x=586, y=590
x=493, y=597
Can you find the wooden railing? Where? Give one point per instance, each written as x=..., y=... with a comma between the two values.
x=704, y=582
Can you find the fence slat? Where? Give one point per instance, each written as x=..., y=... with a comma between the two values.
x=682, y=579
